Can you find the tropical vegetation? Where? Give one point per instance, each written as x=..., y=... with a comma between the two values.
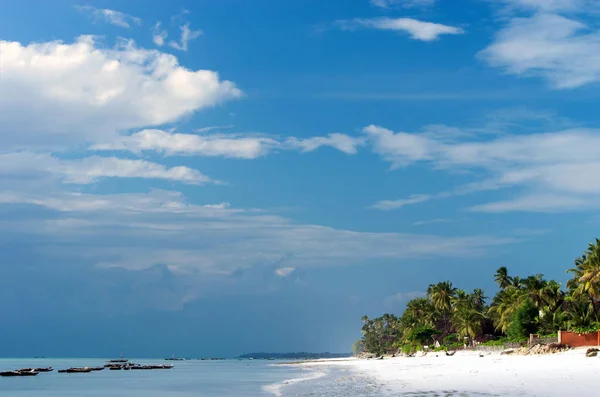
x=453, y=317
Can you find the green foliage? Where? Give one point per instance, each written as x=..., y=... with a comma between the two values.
x=421, y=335
x=358, y=347
x=595, y=327
x=524, y=321
x=522, y=305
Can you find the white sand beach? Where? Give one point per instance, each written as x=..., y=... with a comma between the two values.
x=466, y=374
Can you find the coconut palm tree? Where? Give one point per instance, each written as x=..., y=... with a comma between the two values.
x=502, y=278
x=441, y=296
x=504, y=305
x=467, y=315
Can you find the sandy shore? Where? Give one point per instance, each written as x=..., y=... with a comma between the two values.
x=466, y=374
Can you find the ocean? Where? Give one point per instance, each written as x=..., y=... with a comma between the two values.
x=251, y=378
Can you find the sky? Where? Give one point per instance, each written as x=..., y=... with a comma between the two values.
x=212, y=178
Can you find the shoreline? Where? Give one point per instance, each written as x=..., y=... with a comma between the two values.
x=469, y=374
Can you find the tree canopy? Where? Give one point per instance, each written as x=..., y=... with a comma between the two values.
x=521, y=306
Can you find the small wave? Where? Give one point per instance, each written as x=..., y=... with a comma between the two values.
x=275, y=388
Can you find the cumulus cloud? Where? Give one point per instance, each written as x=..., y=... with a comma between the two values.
x=555, y=165
x=187, y=35
x=550, y=43
x=83, y=92
x=225, y=145
x=90, y=169
x=112, y=17
x=418, y=30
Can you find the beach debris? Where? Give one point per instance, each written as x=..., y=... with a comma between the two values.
x=592, y=352
x=507, y=352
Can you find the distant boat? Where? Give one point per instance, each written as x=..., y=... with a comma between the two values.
x=119, y=360
x=18, y=373
x=174, y=359
x=75, y=370
x=48, y=369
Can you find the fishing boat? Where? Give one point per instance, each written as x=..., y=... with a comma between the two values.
x=119, y=360
x=18, y=373
x=48, y=369
x=75, y=370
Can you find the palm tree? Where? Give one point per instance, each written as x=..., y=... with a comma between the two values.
x=479, y=298
x=504, y=305
x=441, y=296
x=534, y=286
x=502, y=278
x=586, y=281
x=467, y=314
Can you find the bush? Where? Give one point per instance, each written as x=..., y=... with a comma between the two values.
x=594, y=327
x=421, y=335
x=524, y=321
x=449, y=339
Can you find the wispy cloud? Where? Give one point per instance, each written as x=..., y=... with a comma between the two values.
x=402, y=3
x=563, y=50
x=417, y=30
x=395, y=204
x=431, y=221
x=90, y=169
x=112, y=17
x=187, y=35
x=551, y=169
x=225, y=145
x=159, y=35
x=401, y=298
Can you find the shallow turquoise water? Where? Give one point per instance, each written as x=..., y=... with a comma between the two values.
x=187, y=378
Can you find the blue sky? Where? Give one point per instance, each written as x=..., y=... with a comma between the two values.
x=229, y=176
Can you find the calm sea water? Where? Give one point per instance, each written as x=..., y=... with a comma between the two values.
x=252, y=378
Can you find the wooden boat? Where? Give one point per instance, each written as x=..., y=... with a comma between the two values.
x=75, y=370
x=18, y=373
x=49, y=369
x=97, y=368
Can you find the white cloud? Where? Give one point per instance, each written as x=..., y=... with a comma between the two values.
x=341, y=142
x=402, y=3
x=284, y=271
x=90, y=169
x=112, y=17
x=187, y=35
x=551, y=5
x=395, y=204
x=418, y=30
x=226, y=145
x=83, y=92
x=560, y=49
x=159, y=35
x=555, y=165
x=136, y=231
